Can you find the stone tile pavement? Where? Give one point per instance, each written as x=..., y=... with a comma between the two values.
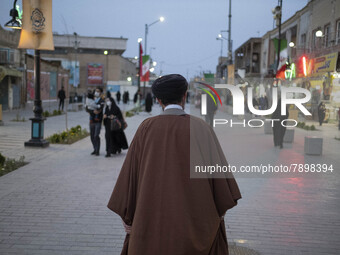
x=57, y=203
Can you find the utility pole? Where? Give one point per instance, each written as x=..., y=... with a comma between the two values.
x=277, y=16
x=230, y=58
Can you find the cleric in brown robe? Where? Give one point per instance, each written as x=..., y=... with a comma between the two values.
x=164, y=211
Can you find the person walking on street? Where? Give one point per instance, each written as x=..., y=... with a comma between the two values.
x=211, y=110
x=107, y=117
x=96, y=123
x=115, y=139
x=61, y=96
x=321, y=112
x=154, y=191
x=148, y=103
x=279, y=130
x=136, y=98
x=118, y=138
x=118, y=96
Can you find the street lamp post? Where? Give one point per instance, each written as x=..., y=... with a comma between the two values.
x=37, y=131
x=230, y=58
x=277, y=11
x=217, y=38
x=161, y=19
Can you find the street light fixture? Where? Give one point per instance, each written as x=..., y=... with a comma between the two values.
x=291, y=44
x=220, y=39
x=319, y=33
x=161, y=19
x=15, y=21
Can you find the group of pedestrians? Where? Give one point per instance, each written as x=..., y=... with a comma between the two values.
x=105, y=110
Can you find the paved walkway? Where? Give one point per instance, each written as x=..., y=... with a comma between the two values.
x=57, y=203
x=13, y=134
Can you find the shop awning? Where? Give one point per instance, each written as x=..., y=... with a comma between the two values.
x=4, y=71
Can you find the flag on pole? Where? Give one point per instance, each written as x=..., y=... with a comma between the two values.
x=140, y=59
x=36, y=32
x=145, y=68
x=283, y=51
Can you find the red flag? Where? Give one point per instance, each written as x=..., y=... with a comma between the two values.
x=140, y=59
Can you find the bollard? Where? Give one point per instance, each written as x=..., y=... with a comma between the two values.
x=313, y=145
x=289, y=136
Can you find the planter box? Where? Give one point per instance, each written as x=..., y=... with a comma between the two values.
x=289, y=136
x=313, y=145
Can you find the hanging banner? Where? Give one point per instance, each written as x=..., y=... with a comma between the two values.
x=95, y=74
x=145, y=68
x=324, y=64
x=36, y=32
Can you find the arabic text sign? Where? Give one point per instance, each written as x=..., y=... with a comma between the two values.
x=325, y=64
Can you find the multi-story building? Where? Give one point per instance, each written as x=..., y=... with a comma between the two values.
x=311, y=46
x=12, y=93
x=248, y=57
x=93, y=61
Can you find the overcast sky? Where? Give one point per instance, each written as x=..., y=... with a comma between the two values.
x=184, y=43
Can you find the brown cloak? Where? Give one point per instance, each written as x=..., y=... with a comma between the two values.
x=171, y=213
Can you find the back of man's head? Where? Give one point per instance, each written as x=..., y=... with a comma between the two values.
x=170, y=89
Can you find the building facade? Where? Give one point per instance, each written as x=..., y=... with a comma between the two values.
x=12, y=93
x=309, y=54
x=93, y=61
x=248, y=57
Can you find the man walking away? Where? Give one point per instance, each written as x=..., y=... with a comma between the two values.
x=118, y=96
x=61, y=96
x=279, y=130
x=164, y=210
x=211, y=110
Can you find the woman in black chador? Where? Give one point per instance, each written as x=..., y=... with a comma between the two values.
x=321, y=112
x=148, y=103
x=279, y=130
x=115, y=140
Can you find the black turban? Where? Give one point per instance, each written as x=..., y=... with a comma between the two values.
x=170, y=87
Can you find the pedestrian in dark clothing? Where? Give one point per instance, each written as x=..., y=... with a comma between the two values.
x=124, y=98
x=148, y=103
x=96, y=123
x=321, y=112
x=61, y=96
x=115, y=139
x=108, y=116
x=279, y=130
x=211, y=110
x=118, y=96
x=127, y=97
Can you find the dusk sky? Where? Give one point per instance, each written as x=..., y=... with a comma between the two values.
x=184, y=43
